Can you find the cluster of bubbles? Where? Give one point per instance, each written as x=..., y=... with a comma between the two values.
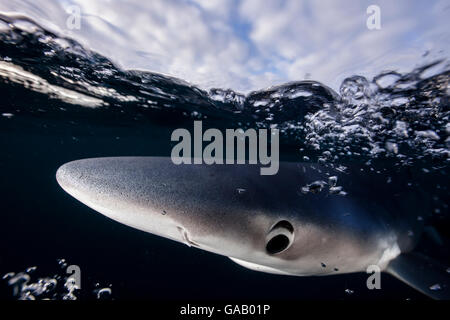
x=26, y=285
x=319, y=185
x=393, y=121
x=405, y=119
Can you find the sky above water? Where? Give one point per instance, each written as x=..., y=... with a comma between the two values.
x=253, y=44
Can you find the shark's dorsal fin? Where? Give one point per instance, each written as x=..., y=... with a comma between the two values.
x=258, y=267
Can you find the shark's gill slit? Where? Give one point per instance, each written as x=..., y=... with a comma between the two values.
x=280, y=237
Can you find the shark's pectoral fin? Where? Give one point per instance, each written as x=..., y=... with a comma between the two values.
x=258, y=267
x=422, y=273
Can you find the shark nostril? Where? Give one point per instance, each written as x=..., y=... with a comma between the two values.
x=280, y=237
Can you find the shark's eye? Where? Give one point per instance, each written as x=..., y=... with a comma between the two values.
x=277, y=244
x=280, y=237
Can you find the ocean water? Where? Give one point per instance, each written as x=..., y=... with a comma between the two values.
x=61, y=102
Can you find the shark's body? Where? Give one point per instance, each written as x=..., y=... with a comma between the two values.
x=265, y=223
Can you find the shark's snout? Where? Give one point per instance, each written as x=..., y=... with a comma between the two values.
x=116, y=189
x=67, y=177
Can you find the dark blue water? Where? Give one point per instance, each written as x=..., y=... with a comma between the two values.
x=61, y=102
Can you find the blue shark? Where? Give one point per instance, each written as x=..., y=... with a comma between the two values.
x=267, y=223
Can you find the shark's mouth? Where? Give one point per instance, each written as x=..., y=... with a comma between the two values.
x=185, y=237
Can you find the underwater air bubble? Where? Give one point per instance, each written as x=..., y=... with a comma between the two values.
x=104, y=294
x=435, y=287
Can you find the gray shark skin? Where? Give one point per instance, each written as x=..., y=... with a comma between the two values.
x=264, y=223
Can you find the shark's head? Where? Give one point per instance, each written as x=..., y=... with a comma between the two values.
x=261, y=222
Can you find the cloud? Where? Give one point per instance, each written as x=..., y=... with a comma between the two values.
x=247, y=45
